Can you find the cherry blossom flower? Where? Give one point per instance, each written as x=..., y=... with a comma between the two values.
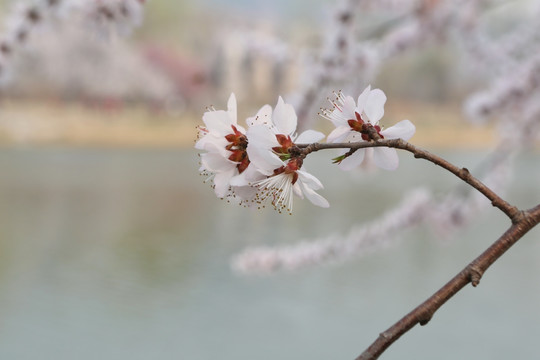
x=360, y=122
x=272, y=153
x=226, y=161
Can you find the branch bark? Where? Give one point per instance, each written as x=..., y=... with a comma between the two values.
x=470, y=274
x=463, y=173
x=522, y=222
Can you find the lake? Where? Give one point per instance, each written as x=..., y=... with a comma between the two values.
x=125, y=254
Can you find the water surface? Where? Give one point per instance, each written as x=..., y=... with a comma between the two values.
x=124, y=254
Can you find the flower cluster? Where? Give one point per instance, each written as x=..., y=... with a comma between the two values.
x=360, y=122
x=265, y=162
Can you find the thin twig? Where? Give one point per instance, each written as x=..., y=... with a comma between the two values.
x=522, y=222
x=463, y=173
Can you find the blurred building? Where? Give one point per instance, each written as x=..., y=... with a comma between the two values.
x=254, y=64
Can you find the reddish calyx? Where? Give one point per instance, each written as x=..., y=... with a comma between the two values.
x=236, y=139
x=365, y=128
x=285, y=142
x=290, y=168
x=237, y=146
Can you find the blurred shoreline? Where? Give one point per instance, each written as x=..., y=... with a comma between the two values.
x=46, y=123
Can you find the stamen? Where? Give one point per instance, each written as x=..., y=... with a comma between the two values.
x=279, y=188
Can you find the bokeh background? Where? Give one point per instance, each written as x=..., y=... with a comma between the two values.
x=112, y=247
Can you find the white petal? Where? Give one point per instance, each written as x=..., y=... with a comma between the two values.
x=309, y=180
x=362, y=99
x=221, y=182
x=374, y=108
x=338, y=134
x=352, y=161
x=264, y=161
x=201, y=143
x=216, y=163
x=260, y=142
x=218, y=121
x=385, y=158
x=261, y=136
x=284, y=118
x=263, y=117
x=402, y=130
x=240, y=128
x=247, y=177
x=349, y=108
x=315, y=198
x=217, y=145
x=252, y=174
x=353, y=136
x=239, y=180
x=231, y=107
x=309, y=136
x=368, y=162
x=245, y=192
x=297, y=189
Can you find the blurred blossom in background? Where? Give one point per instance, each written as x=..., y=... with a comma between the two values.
x=112, y=247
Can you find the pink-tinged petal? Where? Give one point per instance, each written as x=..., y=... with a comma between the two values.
x=309, y=180
x=309, y=136
x=402, y=130
x=315, y=198
x=338, y=134
x=374, y=108
x=218, y=121
x=284, y=118
x=221, y=183
x=263, y=117
x=385, y=158
x=231, y=108
x=352, y=161
x=216, y=163
x=362, y=99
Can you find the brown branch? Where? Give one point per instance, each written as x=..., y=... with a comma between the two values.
x=463, y=173
x=472, y=273
x=522, y=222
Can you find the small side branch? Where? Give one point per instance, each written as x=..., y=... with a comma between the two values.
x=463, y=173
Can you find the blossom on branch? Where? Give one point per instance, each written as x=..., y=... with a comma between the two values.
x=267, y=166
x=359, y=121
x=226, y=161
x=273, y=153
